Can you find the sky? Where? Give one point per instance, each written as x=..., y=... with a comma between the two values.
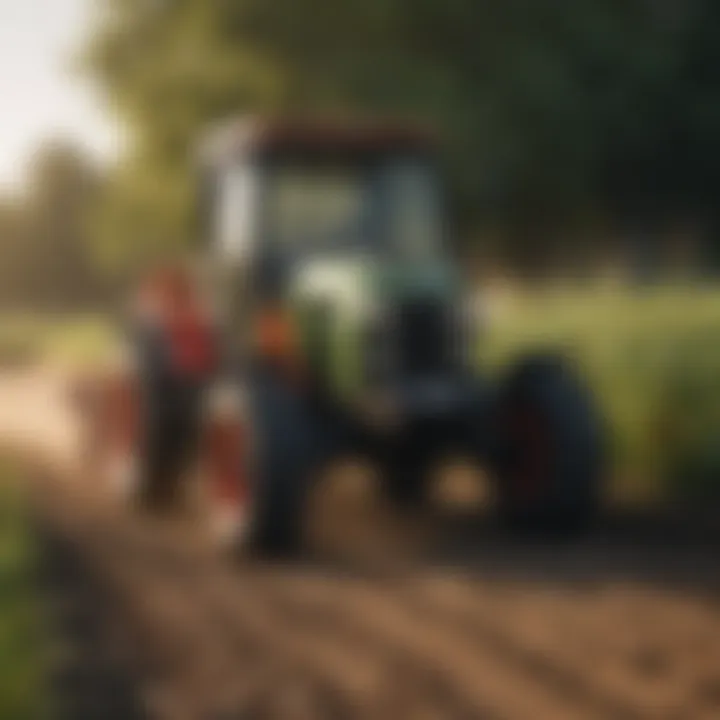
x=41, y=96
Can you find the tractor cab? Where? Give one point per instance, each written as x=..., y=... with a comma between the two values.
x=344, y=225
x=278, y=196
x=297, y=191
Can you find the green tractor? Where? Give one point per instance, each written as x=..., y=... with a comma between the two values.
x=346, y=333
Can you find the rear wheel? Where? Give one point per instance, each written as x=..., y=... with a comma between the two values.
x=548, y=451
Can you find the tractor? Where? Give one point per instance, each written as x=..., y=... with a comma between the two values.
x=344, y=331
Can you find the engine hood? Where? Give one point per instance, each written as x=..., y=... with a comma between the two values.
x=339, y=301
x=367, y=285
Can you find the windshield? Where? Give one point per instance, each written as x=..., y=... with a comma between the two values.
x=316, y=208
x=413, y=216
x=392, y=206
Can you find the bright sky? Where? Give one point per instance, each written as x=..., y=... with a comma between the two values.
x=40, y=94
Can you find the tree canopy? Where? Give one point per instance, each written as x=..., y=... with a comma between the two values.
x=555, y=114
x=46, y=239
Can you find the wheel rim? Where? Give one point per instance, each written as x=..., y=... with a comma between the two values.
x=530, y=453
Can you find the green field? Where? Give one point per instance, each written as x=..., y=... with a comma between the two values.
x=21, y=695
x=27, y=340
x=653, y=359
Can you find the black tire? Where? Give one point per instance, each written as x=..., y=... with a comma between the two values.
x=283, y=459
x=547, y=454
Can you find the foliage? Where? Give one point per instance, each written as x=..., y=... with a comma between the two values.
x=691, y=419
x=653, y=360
x=21, y=694
x=45, y=239
x=556, y=115
x=70, y=341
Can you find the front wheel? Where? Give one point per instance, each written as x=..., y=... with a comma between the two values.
x=258, y=459
x=547, y=450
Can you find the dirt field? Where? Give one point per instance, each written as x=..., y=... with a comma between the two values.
x=454, y=622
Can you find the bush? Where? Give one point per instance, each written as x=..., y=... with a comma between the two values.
x=690, y=419
x=21, y=693
x=20, y=345
x=28, y=340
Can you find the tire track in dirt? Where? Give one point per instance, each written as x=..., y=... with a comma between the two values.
x=531, y=633
x=486, y=682
x=358, y=652
x=589, y=644
x=560, y=657
x=213, y=607
x=213, y=640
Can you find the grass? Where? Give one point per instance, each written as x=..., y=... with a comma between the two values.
x=21, y=688
x=27, y=340
x=652, y=357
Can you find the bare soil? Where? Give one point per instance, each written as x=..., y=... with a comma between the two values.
x=437, y=616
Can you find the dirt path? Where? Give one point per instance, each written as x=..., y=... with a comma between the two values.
x=469, y=626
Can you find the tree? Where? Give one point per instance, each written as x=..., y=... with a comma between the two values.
x=555, y=113
x=46, y=244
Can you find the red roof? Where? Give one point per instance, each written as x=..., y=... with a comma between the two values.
x=271, y=135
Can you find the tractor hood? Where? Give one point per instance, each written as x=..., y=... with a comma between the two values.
x=366, y=285
x=344, y=307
